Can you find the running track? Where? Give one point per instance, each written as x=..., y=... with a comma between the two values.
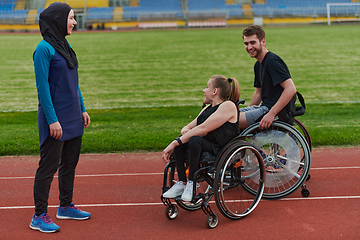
x=122, y=191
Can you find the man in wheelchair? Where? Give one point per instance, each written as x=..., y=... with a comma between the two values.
x=210, y=131
x=273, y=83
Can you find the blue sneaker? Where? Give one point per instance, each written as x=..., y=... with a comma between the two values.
x=44, y=224
x=72, y=212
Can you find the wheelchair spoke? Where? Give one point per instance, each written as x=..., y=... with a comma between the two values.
x=281, y=181
x=290, y=171
x=288, y=160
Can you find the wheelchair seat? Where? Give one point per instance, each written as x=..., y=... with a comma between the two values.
x=207, y=158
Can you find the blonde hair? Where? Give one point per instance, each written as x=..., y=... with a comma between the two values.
x=229, y=88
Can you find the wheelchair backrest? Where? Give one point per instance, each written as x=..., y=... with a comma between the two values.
x=290, y=111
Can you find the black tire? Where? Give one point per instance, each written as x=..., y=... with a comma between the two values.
x=171, y=212
x=212, y=220
x=303, y=130
x=239, y=165
x=286, y=156
x=305, y=192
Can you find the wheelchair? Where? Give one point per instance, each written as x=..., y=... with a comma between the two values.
x=235, y=177
x=269, y=164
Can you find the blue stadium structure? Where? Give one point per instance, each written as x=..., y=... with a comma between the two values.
x=187, y=13
x=8, y=13
x=193, y=7
x=155, y=9
x=200, y=7
x=281, y=8
x=7, y=5
x=104, y=13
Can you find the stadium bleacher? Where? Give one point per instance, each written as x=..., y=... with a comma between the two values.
x=101, y=13
x=282, y=8
x=172, y=9
x=16, y=15
x=130, y=13
x=200, y=7
x=6, y=5
x=156, y=9
x=8, y=13
x=190, y=12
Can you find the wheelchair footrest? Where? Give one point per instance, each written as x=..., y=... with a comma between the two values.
x=165, y=201
x=206, y=208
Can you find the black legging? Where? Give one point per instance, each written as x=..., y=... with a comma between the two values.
x=195, y=147
x=62, y=155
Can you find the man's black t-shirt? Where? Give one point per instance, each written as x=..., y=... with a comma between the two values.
x=268, y=75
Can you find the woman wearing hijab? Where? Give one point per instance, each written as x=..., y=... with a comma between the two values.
x=61, y=116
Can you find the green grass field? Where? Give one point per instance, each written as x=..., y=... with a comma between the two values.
x=141, y=87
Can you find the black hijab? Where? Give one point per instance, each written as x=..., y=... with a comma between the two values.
x=53, y=27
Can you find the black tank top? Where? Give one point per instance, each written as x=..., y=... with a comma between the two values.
x=222, y=135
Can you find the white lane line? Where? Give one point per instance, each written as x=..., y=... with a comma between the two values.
x=88, y=205
x=159, y=203
x=148, y=174
x=319, y=198
x=93, y=175
x=334, y=168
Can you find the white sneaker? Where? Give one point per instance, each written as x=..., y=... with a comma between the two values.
x=188, y=192
x=175, y=191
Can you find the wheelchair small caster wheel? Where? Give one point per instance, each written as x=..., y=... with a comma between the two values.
x=305, y=192
x=308, y=177
x=171, y=212
x=212, y=220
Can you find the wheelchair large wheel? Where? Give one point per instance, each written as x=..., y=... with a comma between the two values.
x=202, y=187
x=239, y=166
x=286, y=156
x=302, y=129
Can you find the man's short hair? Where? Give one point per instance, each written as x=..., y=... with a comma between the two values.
x=254, y=29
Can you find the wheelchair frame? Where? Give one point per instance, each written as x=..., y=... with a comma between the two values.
x=224, y=177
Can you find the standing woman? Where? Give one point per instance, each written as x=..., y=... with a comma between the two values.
x=61, y=116
x=210, y=131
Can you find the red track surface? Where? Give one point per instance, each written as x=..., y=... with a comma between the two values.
x=122, y=192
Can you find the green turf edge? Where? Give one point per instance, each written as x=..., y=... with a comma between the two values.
x=151, y=129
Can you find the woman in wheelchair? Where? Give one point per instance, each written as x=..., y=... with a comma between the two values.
x=210, y=131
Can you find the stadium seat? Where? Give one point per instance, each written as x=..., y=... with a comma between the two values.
x=296, y=7
x=200, y=8
x=154, y=9
x=7, y=5
x=8, y=11
x=96, y=13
